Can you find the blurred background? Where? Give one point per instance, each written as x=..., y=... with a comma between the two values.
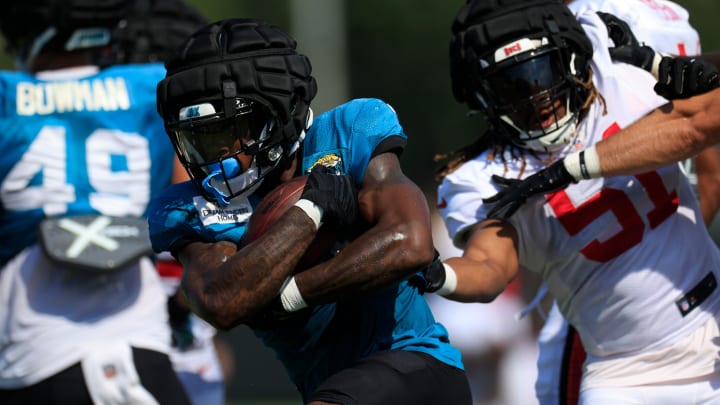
x=395, y=50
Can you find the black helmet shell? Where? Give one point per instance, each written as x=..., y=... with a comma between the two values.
x=482, y=26
x=154, y=29
x=21, y=21
x=241, y=58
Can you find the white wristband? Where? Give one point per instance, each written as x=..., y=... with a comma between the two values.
x=450, y=283
x=290, y=296
x=655, y=67
x=312, y=210
x=584, y=164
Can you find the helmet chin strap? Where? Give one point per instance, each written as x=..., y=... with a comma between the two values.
x=301, y=137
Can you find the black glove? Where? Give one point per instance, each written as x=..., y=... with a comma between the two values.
x=514, y=193
x=618, y=30
x=684, y=77
x=334, y=193
x=431, y=277
x=627, y=48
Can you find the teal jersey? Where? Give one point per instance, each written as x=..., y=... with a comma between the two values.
x=324, y=339
x=94, y=144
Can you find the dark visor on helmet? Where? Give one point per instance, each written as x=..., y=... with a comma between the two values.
x=532, y=91
x=213, y=138
x=519, y=82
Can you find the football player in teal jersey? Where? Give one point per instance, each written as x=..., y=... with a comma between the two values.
x=354, y=329
x=84, y=316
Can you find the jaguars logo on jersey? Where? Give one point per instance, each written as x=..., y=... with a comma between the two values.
x=331, y=161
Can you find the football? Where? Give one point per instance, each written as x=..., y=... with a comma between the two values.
x=273, y=206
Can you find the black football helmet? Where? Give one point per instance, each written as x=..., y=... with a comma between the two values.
x=522, y=62
x=154, y=29
x=31, y=26
x=236, y=86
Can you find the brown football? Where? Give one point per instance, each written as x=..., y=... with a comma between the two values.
x=273, y=206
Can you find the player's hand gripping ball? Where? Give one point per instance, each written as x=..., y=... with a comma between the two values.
x=273, y=206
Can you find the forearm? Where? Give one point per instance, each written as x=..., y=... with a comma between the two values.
x=379, y=257
x=396, y=243
x=652, y=143
x=228, y=286
x=488, y=264
x=476, y=281
x=668, y=134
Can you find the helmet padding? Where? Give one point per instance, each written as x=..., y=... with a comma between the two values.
x=241, y=58
x=482, y=26
x=154, y=29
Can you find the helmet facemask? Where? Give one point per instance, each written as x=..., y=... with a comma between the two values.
x=532, y=94
x=214, y=147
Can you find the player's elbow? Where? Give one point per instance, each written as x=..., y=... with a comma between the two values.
x=415, y=241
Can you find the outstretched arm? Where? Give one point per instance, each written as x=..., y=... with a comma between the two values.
x=670, y=133
x=488, y=264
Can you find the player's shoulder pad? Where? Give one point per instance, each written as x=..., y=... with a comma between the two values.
x=365, y=107
x=371, y=117
x=174, y=194
x=597, y=32
x=162, y=209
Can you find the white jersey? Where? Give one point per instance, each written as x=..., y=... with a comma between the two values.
x=615, y=253
x=663, y=25
x=52, y=317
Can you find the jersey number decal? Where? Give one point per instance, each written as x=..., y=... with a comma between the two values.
x=574, y=219
x=39, y=180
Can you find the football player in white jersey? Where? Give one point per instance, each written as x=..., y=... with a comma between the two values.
x=84, y=316
x=663, y=25
x=642, y=300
